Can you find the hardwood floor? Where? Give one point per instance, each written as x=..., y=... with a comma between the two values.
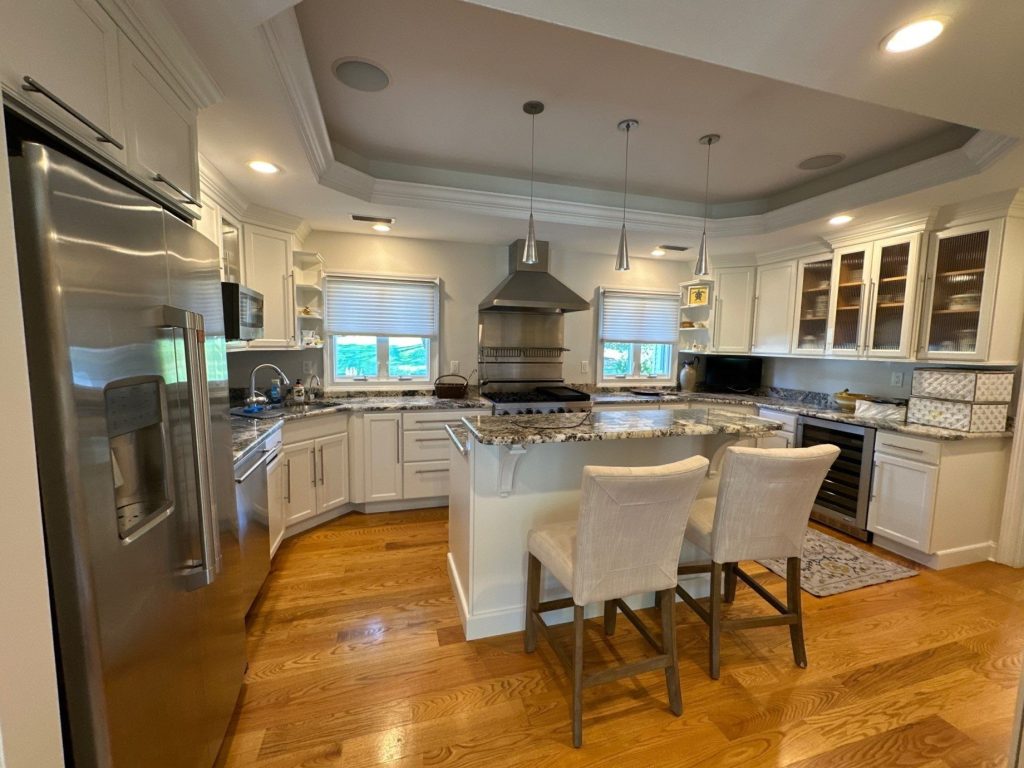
x=357, y=659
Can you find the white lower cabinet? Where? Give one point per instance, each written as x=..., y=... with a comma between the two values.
x=299, y=482
x=425, y=479
x=785, y=437
x=902, y=499
x=332, y=480
x=314, y=467
x=382, y=456
x=275, y=502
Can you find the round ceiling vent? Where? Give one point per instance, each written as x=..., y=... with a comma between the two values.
x=818, y=162
x=361, y=75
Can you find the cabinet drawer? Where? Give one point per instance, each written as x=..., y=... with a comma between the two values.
x=437, y=419
x=425, y=445
x=312, y=427
x=913, y=448
x=425, y=478
x=788, y=420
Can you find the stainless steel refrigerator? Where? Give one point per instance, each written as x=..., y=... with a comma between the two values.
x=128, y=370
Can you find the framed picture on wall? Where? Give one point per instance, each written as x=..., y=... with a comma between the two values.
x=697, y=296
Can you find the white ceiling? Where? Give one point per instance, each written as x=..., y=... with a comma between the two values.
x=460, y=74
x=256, y=119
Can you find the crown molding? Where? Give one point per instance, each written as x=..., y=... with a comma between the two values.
x=303, y=231
x=220, y=190
x=1009, y=203
x=809, y=248
x=151, y=28
x=892, y=226
x=268, y=217
x=284, y=42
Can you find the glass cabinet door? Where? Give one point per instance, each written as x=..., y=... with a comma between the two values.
x=231, y=252
x=958, y=288
x=814, y=289
x=891, y=295
x=849, y=300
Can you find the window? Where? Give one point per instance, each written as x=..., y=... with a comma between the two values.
x=381, y=329
x=637, y=335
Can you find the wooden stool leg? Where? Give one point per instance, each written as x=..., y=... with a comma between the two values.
x=577, y=677
x=730, y=582
x=611, y=611
x=668, y=640
x=796, y=631
x=532, y=601
x=715, y=633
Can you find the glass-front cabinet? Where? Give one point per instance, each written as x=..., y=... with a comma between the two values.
x=960, y=292
x=814, y=290
x=891, y=297
x=849, y=294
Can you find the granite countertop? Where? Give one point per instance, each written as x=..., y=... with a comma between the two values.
x=796, y=407
x=612, y=425
x=378, y=404
x=246, y=434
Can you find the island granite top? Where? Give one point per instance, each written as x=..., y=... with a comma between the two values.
x=613, y=425
x=246, y=434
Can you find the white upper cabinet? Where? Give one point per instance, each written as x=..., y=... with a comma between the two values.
x=268, y=259
x=773, y=308
x=732, y=311
x=160, y=131
x=970, y=291
x=70, y=48
x=813, y=292
x=892, y=295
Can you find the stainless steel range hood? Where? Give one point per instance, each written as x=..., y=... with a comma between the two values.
x=530, y=287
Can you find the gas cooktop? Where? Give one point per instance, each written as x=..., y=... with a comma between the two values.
x=555, y=399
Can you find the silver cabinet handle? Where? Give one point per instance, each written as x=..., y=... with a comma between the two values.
x=312, y=466
x=321, y=465
x=161, y=179
x=431, y=439
x=430, y=471
x=452, y=436
x=33, y=86
x=193, y=337
x=902, y=448
x=292, y=309
x=288, y=483
x=253, y=468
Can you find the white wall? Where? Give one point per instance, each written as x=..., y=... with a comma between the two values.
x=867, y=377
x=30, y=734
x=469, y=272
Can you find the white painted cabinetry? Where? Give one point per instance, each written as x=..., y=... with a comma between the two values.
x=332, y=480
x=268, y=269
x=733, y=309
x=299, y=482
x=316, y=466
x=275, y=502
x=382, y=456
x=773, y=308
x=902, y=499
x=785, y=437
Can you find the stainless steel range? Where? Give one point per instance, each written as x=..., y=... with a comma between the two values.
x=539, y=400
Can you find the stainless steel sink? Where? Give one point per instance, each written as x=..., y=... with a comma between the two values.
x=277, y=411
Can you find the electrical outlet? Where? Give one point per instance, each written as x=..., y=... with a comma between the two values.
x=584, y=366
x=307, y=367
x=453, y=366
x=896, y=379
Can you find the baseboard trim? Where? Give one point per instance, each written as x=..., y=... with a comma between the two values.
x=945, y=558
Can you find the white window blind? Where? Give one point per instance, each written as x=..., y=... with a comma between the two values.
x=639, y=317
x=370, y=306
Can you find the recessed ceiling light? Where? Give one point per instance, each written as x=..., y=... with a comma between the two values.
x=818, y=162
x=361, y=75
x=658, y=252
x=382, y=227
x=913, y=35
x=841, y=219
x=262, y=166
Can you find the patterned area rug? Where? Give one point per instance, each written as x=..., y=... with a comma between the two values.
x=830, y=566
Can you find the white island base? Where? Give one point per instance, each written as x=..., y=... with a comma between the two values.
x=499, y=492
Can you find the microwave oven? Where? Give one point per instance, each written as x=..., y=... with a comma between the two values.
x=243, y=312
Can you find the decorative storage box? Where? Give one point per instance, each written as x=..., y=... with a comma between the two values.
x=964, y=385
x=965, y=417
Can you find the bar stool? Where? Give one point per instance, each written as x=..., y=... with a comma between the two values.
x=625, y=542
x=761, y=512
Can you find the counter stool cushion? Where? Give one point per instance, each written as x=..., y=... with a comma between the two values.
x=555, y=546
x=701, y=523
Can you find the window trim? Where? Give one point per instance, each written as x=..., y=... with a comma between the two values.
x=599, y=343
x=378, y=383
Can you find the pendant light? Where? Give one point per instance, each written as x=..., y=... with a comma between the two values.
x=703, y=265
x=622, y=259
x=532, y=108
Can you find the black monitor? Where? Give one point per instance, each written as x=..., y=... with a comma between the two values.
x=727, y=373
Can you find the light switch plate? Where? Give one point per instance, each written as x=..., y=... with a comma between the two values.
x=896, y=379
x=584, y=366
x=453, y=366
x=307, y=367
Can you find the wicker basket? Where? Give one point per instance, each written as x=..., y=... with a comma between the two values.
x=448, y=390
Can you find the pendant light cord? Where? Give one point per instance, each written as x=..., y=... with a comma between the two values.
x=707, y=181
x=533, y=125
x=625, y=178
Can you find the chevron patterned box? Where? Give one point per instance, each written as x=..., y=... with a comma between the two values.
x=963, y=384
x=963, y=417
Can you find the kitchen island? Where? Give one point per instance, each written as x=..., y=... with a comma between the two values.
x=512, y=473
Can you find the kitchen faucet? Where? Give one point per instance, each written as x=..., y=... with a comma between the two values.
x=310, y=391
x=255, y=398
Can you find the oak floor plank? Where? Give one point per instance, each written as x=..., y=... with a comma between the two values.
x=357, y=659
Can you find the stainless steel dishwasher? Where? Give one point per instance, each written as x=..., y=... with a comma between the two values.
x=842, y=501
x=253, y=520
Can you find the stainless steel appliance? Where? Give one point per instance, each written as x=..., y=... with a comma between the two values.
x=530, y=287
x=842, y=501
x=253, y=505
x=125, y=332
x=539, y=400
x=243, y=312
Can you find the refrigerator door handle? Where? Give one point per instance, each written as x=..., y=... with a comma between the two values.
x=193, y=334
